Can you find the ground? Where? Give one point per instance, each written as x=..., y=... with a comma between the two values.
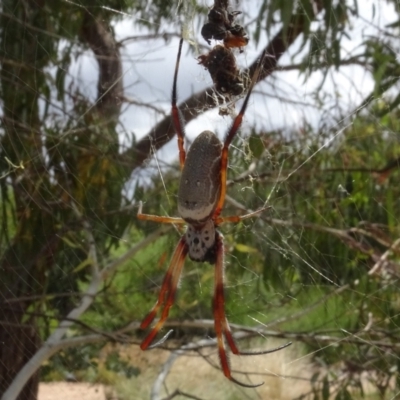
x=286, y=374
x=71, y=391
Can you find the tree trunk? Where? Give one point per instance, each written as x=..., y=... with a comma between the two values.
x=34, y=213
x=19, y=341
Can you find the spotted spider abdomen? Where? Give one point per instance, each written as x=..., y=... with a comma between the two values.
x=200, y=183
x=201, y=242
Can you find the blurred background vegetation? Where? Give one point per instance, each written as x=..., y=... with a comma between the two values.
x=320, y=267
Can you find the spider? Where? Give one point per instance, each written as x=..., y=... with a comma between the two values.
x=201, y=196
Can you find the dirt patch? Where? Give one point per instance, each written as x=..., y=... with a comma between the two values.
x=71, y=391
x=285, y=373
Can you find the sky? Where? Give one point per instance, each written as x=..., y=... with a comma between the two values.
x=148, y=67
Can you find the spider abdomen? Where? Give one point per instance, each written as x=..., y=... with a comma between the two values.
x=201, y=242
x=200, y=183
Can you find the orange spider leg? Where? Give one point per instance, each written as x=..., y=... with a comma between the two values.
x=167, y=293
x=221, y=322
x=157, y=218
x=176, y=113
x=237, y=218
x=229, y=137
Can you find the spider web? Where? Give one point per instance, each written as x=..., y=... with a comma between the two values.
x=318, y=268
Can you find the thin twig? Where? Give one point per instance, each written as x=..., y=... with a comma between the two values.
x=382, y=262
x=178, y=392
x=158, y=383
x=54, y=341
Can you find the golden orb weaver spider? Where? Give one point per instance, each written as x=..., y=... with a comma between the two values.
x=201, y=196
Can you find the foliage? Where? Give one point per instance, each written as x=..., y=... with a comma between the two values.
x=303, y=268
x=276, y=272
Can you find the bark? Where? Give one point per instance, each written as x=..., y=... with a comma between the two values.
x=30, y=254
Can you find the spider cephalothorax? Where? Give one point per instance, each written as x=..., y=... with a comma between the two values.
x=201, y=197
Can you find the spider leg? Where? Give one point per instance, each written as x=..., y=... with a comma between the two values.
x=237, y=218
x=177, y=117
x=231, y=134
x=157, y=218
x=167, y=293
x=220, y=322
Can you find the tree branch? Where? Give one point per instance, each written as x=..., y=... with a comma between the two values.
x=96, y=33
x=164, y=131
x=54, y=341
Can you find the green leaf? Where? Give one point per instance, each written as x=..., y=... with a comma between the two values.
x=256, y=145
x=343, y=394
x=243, y=248
x=83, y=265
x=325, y=388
